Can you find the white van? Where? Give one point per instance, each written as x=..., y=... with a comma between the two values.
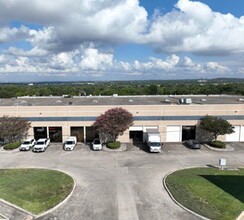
x=70, y=143
x=96, y=144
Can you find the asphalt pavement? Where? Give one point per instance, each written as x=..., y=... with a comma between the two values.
x=124, y=185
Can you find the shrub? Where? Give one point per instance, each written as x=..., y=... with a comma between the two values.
x=12, y=146
x=217, y=144
x=113, y=145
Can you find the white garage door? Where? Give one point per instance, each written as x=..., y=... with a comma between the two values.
x=136, y=128
x=234, y=136
x=173, y=134
x=242, y=133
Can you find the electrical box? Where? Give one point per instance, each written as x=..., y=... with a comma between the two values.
x=222, y=162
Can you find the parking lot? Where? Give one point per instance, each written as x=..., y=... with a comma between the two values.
x=120, y=185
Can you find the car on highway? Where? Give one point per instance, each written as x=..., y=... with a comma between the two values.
x=192, y=144
x=96, y=144
x=27, y=144
x=41, y=145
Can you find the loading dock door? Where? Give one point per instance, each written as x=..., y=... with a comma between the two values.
x=234, y=136
x=136, y=133
x=188, y=132
x=40, y=132
x=55, y=134
x=91, y=133
x=173, y=134
x=78, y=132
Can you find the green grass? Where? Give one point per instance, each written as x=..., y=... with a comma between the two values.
x=35, y=190
x=12, y=146
x=213, y=193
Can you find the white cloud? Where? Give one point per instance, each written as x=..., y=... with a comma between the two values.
x=35, y=51
x=195, y=28
x=191, y=27
x=12, y=34
x=2, y=59
x=73, y=22
x=216, y=67
x=92, y=59
x=93, y=62
x=73, y=35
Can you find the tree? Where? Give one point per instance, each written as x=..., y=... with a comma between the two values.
x=113, y=123
x=216, y=126
x=13, y=129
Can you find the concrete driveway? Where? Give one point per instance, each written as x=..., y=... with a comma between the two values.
x=119, y=185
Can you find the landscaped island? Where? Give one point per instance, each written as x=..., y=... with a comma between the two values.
x=215, y=194
x=35, y=190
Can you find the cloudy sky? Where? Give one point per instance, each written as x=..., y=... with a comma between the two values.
x=60, y=40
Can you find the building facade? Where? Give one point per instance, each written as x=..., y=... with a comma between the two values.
x=176, y=117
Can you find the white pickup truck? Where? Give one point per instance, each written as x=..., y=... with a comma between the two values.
x=27, y=144
x=70, y=143
x=41, y=145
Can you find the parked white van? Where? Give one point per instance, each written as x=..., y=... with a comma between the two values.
x=96, y=144
x=70, y=143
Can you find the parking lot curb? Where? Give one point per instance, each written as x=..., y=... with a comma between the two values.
x=241, y=216
x=29, y=214
x=228, y=149
x=176, y=202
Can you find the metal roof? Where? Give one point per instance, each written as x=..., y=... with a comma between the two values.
x=120, y=100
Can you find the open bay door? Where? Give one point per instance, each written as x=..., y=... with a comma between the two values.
x=136, y=133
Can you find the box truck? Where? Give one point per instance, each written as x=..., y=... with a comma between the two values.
x=153, y=140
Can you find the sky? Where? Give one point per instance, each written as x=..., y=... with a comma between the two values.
x=98, y=40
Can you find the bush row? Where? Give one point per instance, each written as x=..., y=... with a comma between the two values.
x=12, y=146
x=113, y=145
x=217, y=144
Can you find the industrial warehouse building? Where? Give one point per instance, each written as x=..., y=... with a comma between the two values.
x=176, y=117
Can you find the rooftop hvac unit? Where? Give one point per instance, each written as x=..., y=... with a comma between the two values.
x=185, y=101
x=188, y=101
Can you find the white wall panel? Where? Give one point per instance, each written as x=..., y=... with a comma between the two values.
x=173, y=134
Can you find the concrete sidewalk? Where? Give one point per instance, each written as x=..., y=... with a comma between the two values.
x=13, y=213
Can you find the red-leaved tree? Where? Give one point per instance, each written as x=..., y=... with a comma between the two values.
x=13, y=129
x=113, y=123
